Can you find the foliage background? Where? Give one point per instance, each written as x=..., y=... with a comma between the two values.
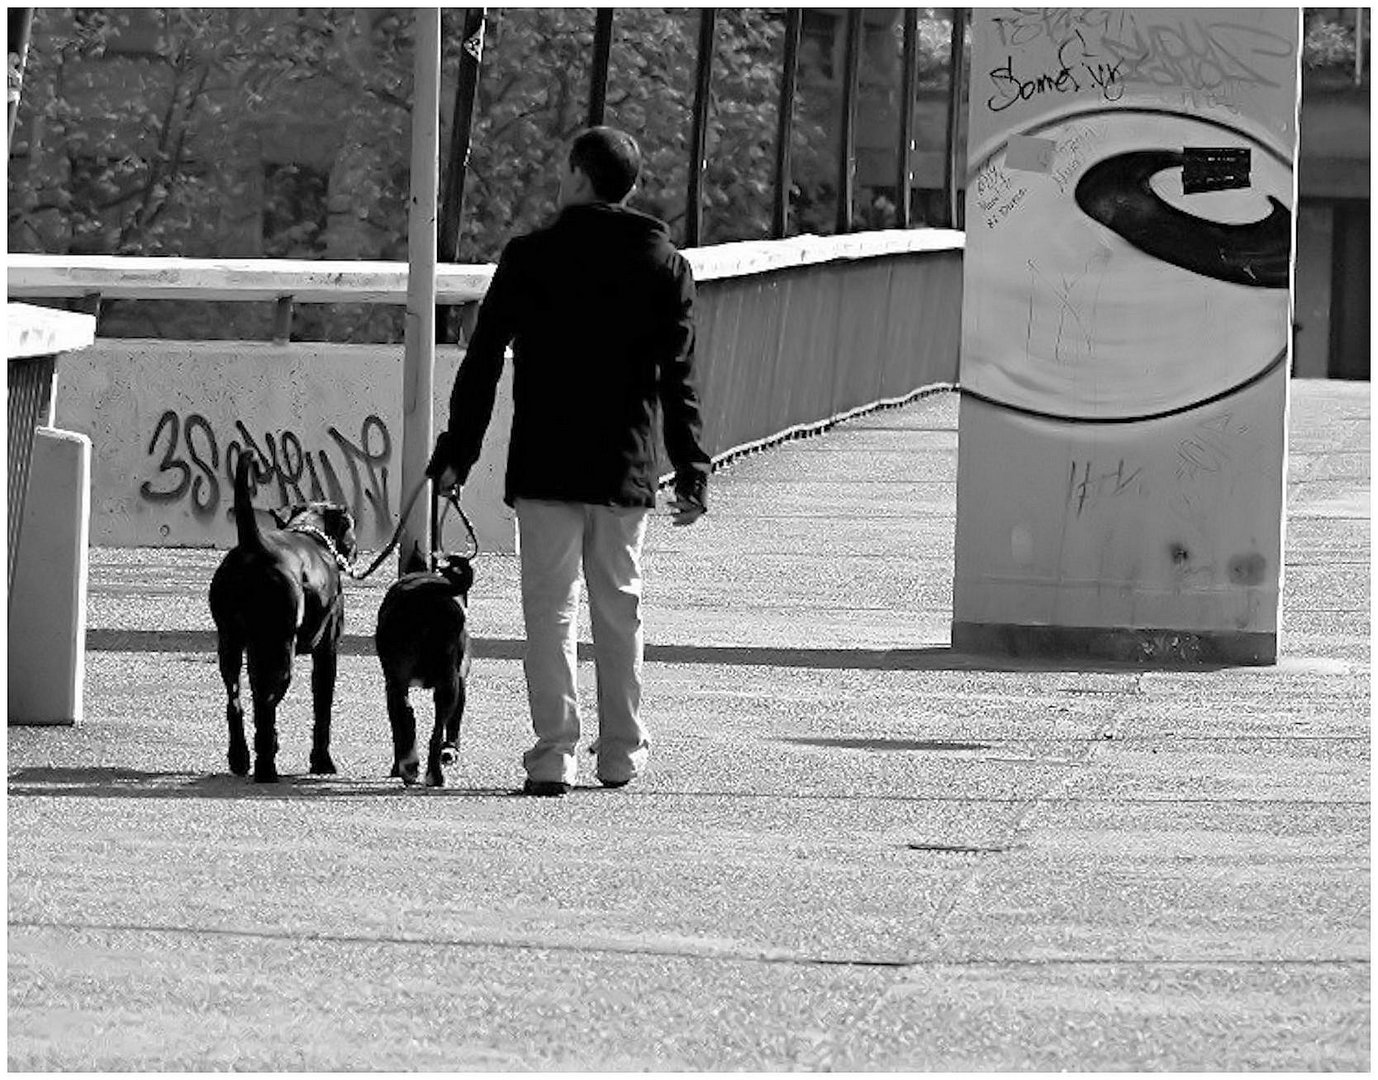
x=283, y=132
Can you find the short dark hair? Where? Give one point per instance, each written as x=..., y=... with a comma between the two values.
x=609, y=158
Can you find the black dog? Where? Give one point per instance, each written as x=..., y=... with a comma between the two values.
x=276, y=593
x=423, y=640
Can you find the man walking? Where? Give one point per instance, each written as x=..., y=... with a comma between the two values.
x=598, y=308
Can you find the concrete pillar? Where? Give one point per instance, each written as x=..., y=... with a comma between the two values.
x=47, y=611
x=1126, y=333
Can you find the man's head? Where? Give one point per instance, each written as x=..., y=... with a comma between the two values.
x=603, y=166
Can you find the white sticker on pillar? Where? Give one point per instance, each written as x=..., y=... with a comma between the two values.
x=1029, y=154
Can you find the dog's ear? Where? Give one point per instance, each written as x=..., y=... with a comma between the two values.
x=415, y=562
x=466, y=578
x=288, y=514
x=459, y=573
x=339, y=524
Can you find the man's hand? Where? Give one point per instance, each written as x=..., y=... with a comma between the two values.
x=438, y=468
x=447, y=479
x=685, y=511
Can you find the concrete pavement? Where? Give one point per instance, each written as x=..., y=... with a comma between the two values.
x=854, y=850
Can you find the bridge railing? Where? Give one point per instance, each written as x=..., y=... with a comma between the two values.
x=793, y=335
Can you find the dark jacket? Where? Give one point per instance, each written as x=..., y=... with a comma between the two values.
x=599, y=310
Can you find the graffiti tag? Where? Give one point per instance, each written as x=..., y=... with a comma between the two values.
x=1211, y=446
x=1086, y=484
x=997, y=194
x=1212, y=62
x=1203, y=458
x=191, y=468
x=1078, y=68
x=1021, y=26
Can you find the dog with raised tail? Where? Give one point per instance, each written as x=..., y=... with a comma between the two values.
x=422, y=641
x=276, y=594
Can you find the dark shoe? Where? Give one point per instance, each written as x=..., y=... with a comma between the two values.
x=614, y=783
x=547, y=789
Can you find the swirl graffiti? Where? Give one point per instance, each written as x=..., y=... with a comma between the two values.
x=1116, y=193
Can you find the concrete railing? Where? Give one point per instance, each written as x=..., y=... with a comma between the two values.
x=793, y=335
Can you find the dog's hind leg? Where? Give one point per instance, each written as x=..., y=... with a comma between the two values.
x=231, y=664
x=449, y=703
x=270, y=673
x=454, y=715
x=323, y=667
x=405, y=761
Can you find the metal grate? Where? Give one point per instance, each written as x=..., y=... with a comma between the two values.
x=30, y=389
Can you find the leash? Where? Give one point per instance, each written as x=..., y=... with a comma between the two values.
x=436, y=520
x=396, y=533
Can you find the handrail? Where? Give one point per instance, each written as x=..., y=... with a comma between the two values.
x=129, y=277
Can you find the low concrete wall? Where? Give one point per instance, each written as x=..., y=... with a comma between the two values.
x=791, y=334
x=163, y=416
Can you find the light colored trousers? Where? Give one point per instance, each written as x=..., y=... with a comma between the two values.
x=553, y=539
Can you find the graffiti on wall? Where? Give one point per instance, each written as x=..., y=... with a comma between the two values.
x=1200, y=62
x=193, y=464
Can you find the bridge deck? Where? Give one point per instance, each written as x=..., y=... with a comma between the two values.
x=854, y=848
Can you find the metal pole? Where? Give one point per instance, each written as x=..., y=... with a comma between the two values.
x=418, y=364
x=904, y=177
x=847, y=154
x=456, y=168
x=1358, y=46
x=698, y=141
x=602, y=56
x=17, y=45
x=784, y=128
x=954, y=111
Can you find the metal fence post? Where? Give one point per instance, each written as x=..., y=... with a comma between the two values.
x=904, y=174
x=602, y=57
x=693, y=203
x=951, y=174
x=784, y=128
x=457, y=167
x=846, y=165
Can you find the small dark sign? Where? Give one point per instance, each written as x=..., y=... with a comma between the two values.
x=1214, y=169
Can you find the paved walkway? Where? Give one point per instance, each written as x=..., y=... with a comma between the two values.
x=855, y=849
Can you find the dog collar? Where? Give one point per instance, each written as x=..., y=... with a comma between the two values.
x=318, y=534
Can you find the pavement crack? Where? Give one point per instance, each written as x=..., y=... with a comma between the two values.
x=717, y=954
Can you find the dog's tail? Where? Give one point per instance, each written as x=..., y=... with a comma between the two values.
x=244, y=522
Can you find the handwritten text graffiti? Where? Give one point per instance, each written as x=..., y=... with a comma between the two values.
x=191, y=468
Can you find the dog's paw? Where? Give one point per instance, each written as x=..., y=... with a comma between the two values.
x=322, y=765
x=239, y=760
x=265, y=773
x=435, y=778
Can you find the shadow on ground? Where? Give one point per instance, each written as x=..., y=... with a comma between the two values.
x=101, y=782
x=926, y=658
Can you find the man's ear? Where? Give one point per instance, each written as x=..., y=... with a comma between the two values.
x=583, y=186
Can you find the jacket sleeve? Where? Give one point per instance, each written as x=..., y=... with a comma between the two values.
x=476, y=382
x=679, y=400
